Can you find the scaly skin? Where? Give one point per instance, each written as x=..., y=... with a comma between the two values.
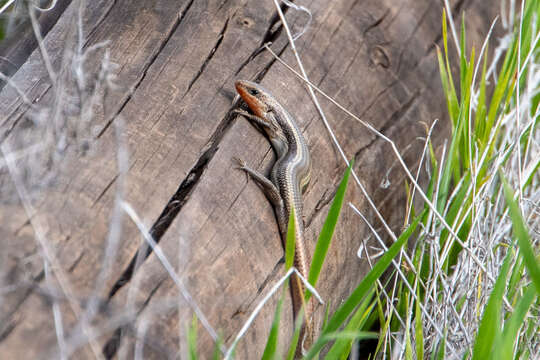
x=289, y=177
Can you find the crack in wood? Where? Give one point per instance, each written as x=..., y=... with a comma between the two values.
x=5, y=330
x=323, y=201
x=270, y=35
x=129, y=95
x=128, y=330
x=220, y=37
x=77, y=261
x=112, y=345
x=111, y=5
x=377, y=22
x=405, y=44
x=166, y=218
x=258, y=78
x=107, y=187
x=22, y=114
x=242, y=309
x=396, y=115
x=401, y=111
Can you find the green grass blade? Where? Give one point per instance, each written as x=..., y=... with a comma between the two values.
x=512, y=326
x=522, y=235
x=353, y=335
x=481, y=132
x=502, y=86
x=343, y=312
x=385, y=321
x=296, y=336
x=326, y=314
x=291, y=241
x=192, y=338
x=408, y=344
x=418, y=330
x=451, y=98
x=327, y=231
x=516, y=276
x=451, y=159
x=272, y=341
x=342, y=347
x=217, y=352
x=440, y=349
x=489, y=329
x=450, y=90
x=462, y=59
x=385, y=328
x=534, y=171
x=341, y=335
x=466, y=94
x=290, y=246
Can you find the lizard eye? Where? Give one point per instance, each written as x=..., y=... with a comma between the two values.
x=254, y=92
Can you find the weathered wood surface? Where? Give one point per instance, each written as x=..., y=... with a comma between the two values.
x=177, y=65
x=20, y=40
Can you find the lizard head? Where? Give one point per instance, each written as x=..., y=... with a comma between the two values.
x=262, y=104
x=256, y=97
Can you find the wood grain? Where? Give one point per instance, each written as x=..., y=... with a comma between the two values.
x=177, y=62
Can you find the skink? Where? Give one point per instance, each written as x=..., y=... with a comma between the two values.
x=289, y=177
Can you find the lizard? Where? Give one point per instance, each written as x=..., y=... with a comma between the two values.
x=288, y=180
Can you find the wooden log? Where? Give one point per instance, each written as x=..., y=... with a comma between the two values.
x=177, y=62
